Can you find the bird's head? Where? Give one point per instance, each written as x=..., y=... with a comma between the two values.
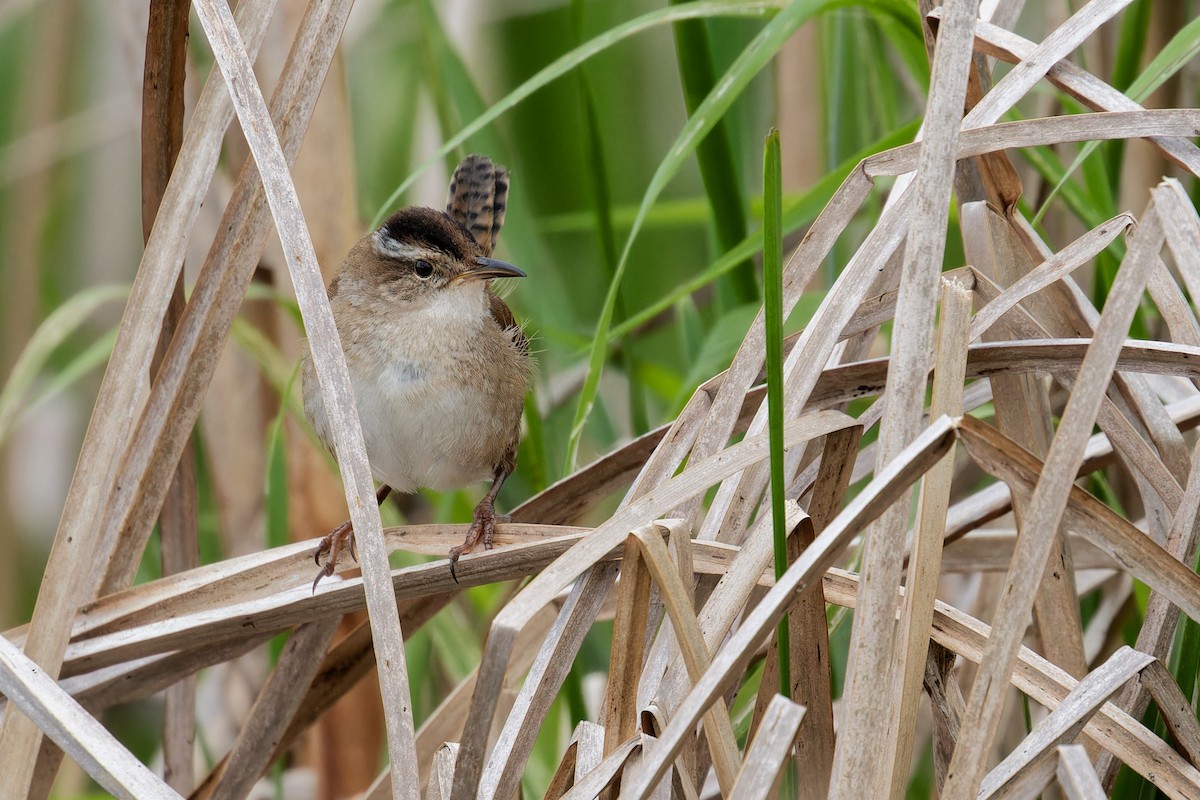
x=422, y=258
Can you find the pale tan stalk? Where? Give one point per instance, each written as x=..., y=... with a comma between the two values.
x=925, y=562
x=335, y=385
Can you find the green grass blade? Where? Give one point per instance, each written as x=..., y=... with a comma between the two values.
x=534, y=462
x=276, y=488
x=453, y=90
x=94, y=356
x=1131, y=43
x=277, y=370
x=599, y=192
x=60, y=325
x=277, y=479
x=571, y=60
x=1182, y=48
x=802, y=212
x=1046, y=162
x=434, y=75
x=752, y=59
x=905, y=36
x=1174, y=56
x=714, y=154
x=773, y=317
x=600, y=196
x=683, y=212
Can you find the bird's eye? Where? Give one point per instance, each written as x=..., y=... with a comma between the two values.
x=423, y=269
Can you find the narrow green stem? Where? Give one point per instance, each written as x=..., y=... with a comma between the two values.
x=773, y=291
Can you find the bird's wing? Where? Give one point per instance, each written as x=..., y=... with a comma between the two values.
x=478, y=199
x=507, y=322
x=503, y=316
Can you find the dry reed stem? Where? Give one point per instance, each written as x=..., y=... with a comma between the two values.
x=1182, y=227
x=990, y=550
x=301, y=555
x=148, y=465
x=858, y=770
x=585, y=554
x=590, y=783
x=277, y=701
x=695, y=651
x=1026, y=767
x=1023, y=411
x=1160, y=618
x=443, y=771
x=1082, y=250
x=563, y=502
x=1045, y=511
x=1083, y=86
x=1130, y=443
x=342, y=668
x=174, y=403
x=78, y=733
x=767, y=757
x=665, y=789
x=1048, y=685
x=925, y=563
x=1136, y=552
x=162, y=135
x=589, y=753
x=334, y=379
x=1076, y=776
x=812, y=681
x=945, y=708
x=889, y=484
x=1176, y=710
x=502, y=773
x=620, y=716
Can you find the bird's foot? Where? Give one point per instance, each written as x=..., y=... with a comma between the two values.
x=483, y=527
x=332, y=545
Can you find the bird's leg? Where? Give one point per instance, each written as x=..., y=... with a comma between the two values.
x=484, y=524
x=340, y=537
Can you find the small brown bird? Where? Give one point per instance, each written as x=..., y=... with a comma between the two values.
x=439, y=364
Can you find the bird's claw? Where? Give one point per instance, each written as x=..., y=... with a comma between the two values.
x=332, y=545
x=324, y=572
x=483, y=527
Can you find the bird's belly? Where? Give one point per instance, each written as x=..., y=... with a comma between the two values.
x=424, y=431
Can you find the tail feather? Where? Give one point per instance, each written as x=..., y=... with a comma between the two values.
x=478, y=199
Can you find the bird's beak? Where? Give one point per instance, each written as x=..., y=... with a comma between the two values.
x=487, y=268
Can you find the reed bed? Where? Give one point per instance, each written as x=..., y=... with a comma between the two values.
x=990, y=470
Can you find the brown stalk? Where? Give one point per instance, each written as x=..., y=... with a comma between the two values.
x=162, y=136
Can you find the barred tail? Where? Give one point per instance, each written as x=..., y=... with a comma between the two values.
x=478, y=199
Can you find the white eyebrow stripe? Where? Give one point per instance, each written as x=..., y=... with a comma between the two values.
x=387, y=246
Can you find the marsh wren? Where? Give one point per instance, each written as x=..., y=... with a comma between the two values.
x=439, y=364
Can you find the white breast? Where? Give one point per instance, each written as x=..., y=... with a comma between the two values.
x=419, y=422
x=430, y=418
